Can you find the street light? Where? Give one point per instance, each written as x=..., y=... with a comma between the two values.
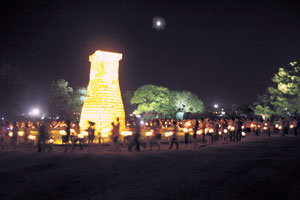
x=216, y=106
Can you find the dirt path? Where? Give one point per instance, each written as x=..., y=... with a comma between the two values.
x=266, y=168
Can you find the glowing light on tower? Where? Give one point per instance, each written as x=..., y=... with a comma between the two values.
x=103, y=103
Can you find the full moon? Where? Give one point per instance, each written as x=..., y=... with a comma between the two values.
x=158, y=23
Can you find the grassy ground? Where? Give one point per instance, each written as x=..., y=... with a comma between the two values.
x=261, y=168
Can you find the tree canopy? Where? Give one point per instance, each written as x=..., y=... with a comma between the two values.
x=283, y=97
x=64, y=102
x=157, y=101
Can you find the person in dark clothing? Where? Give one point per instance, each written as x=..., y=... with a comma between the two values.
x=136, y=136
x=91, y=134
x=42, y=137
x=174, y=136
x=239, y=125
x=66, y=138
x=195, y=133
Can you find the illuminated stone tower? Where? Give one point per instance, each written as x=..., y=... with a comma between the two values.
x=104, y=102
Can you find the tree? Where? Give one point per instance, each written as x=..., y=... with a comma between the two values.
x=129, y=108
x=156, y=101
x=283, y=97
x=77, y=99
x=186, y=101
x=60, y=99
x=12, y=88
x=151, y=99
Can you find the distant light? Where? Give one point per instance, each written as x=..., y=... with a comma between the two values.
x=216, y=106
x=158, y=23
x=2, y=118
x=35, y=112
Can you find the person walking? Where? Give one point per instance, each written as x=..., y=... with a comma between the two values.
x=158, y=130
x=136, y=136
x=77, y=137
x=115, y=136
x=41, y=137
x=91, y=135
x=174, y=136
x=195, y=129
x=3, y=135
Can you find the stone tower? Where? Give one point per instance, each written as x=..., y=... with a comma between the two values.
x=103, y=103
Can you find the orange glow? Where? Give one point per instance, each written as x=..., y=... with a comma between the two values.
x=20, y=133
x=243, y=134
x=85, y=133
x=265, y=128
x=103, y=103
x=51, y=140
x=149, y=133
x=243, y=127
x=167, y=134
x=225, y=131
x=188, y=124
x=276, y=126
x=185, y=130
x=199, y=132
x=126, y=133
x=10, y=133
x=211, y=130
x=62, y=132
x=31, y=137
x=291, y=126
x=232, y=128
x=252, y=125
x=80, y=136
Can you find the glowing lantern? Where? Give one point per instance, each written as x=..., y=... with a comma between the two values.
x=280, y=127
x=62, y=132
x=51, y=141
x=190, y=130
x=167, y=134
x=188, y=124
x=10, y=133
x=104, y=135
x=243, y=127
x=211, y=130
x=199, y=132
x=20, y=133
x=276, y=126
x=148, y=133
x=220, y=132
x=103, y=102
x=258, y=126
x=80, y=136
x=126, y=133
x=243, y=134
x=252, y=125
x=31, y=137
x=206, y=130
x=225, y=131
x=85, y=133
x=265, y=128
x=185, y=130
x=232, y=128
x=292, y=126
x=229, y=127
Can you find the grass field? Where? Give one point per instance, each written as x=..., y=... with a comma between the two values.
x=258, y=168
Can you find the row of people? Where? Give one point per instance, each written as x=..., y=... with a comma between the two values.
x=202, y=130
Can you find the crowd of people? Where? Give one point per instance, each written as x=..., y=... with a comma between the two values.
x=194, y=133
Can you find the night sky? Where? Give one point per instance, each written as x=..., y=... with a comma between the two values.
x=224, y=52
